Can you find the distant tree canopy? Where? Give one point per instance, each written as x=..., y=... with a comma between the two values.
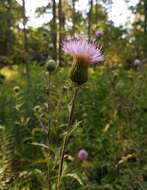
x=45, y=42
x=10, y=15
x=140, y=27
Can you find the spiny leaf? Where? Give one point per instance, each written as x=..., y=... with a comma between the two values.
x=40, y=144
x=36, y=129
x=75, y=176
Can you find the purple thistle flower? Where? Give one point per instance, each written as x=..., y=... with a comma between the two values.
x=81, y=49
x=99, y=33
x=137, y=62
x=83, y=154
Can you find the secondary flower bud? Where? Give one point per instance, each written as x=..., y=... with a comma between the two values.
x=51, y=65
x=37, y=108
x=16, y=89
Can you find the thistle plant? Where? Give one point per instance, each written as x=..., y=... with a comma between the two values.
x=84, y=54
x=50, y=67
x=44, y=113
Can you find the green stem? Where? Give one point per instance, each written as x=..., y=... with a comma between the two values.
x=49, y=175
x=48, y=135
x=48, y=96
x=65, y=139
x=72, y=107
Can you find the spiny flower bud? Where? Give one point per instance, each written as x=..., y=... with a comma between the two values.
x=51, y=65
x=16, y=89
x=37, y=108
x=79, y=72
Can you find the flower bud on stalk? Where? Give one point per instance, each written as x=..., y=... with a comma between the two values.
x=51, y=65
x=16, y=89
x=79, y=72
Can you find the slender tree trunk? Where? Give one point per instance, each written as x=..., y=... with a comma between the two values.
x=24, y=27
x=145, y=16
x=9, y=34
x=25, y=37
x=96, y=12
x=54, y=31
x=73, y=17
x=90, y=19
x=61, y=29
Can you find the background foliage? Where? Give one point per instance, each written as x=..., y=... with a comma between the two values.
x=111, y=110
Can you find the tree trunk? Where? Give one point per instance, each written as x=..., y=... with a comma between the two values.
x=9, y=32
x=96, y=12
x=73, y=16
x=61, y=29
x=90, y=19
x=96, y=2
x=145, y=16
x=54, y=31
x=25, y=38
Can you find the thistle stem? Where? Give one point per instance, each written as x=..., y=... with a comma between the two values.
x=72, y=107
x=48, y=135
x=65, y=139
x=48, y=96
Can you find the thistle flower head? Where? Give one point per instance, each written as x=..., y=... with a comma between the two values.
x=83, y=154
x=137, y=62
x=99, y=33
x=80, y=49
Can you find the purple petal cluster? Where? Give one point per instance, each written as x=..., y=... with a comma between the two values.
x=99, y=33
x=83, y=154
x=82, y=49
x=137, y=62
